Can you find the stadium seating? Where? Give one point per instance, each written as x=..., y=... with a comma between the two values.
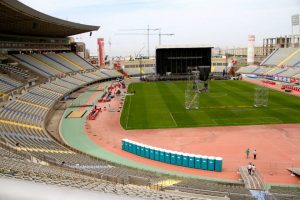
x=234, y=191
x=11, y=68
x=293, y=60
x=78, y=60
x=261, y=70
x=287, y=57
x=290, y=72
x=275, y=58
x=36, y=65
x=7, y=84
x=247, y=70
x=58, y=58
x=51, y=63
x=55, y=175
x=297, y=76
x=275, y=71
x=137, y=71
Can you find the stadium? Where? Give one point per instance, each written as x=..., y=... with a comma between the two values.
x=178, y=129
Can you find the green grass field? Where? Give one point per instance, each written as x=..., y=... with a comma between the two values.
x=161, y=105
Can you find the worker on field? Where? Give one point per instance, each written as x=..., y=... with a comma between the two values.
x=254, y=154
x=248, y=153
x=249, y=167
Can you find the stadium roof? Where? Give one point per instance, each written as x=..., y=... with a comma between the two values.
x=19, y=19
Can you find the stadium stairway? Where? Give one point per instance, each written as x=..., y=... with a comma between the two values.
x=252, y=182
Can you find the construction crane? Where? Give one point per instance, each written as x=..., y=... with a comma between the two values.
x=124, y=32
x=160, y=34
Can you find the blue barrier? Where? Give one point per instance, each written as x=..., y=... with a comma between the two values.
x=173, y=157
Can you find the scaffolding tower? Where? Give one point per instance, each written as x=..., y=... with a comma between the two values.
x=261, y=96
x=192, y=89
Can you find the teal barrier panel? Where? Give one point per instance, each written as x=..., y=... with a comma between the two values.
x=147, y=151
x=126, y=145
x=156, y=154
x=162, y=155
x=191, y=160
x=138, y=149
x=198, y=162
x=143, y=150
x=123, y=144
x=211, y=163
x=176, y=158
x=167, y=156
x=204, y=163
x=130, y=147
x=133, y=147
x=218, y=164
x=152, y=156
x=185, y=160
x=173, y=157
x=179, y=158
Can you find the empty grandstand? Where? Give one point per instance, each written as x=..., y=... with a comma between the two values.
x=41, y=77
x=287, y=57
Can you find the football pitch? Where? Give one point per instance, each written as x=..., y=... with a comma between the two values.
x=162, y=105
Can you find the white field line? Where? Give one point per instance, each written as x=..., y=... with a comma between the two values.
x=173, y=119
x=128, y=112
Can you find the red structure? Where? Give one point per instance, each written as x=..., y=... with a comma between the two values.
x=269, y=82
x=101, y=54
x=290, y=87
x=94, y=112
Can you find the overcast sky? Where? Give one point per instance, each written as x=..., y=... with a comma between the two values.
x=220, y=23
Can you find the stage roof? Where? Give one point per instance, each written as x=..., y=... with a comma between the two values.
x=183, y=46
x=19, y=19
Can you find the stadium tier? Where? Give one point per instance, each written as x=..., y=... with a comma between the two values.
x=247, y=70
x=7, y=84
x=288, y=57
x=10, y=68
x=288, y=72
x=138, y=71
x=52, y=64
